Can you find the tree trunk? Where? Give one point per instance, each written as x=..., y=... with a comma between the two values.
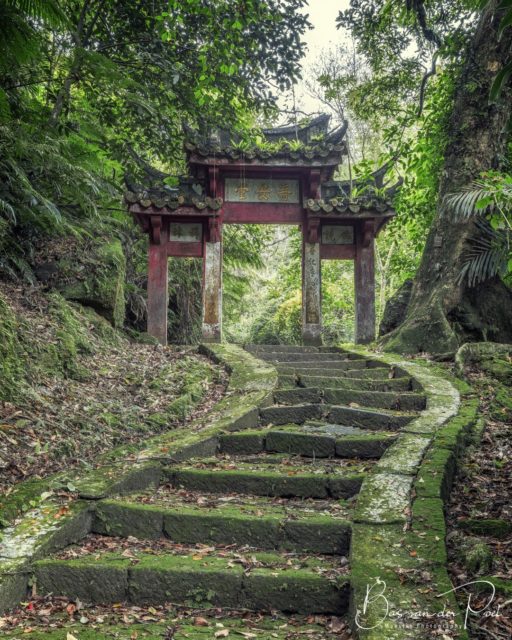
x=444, y=312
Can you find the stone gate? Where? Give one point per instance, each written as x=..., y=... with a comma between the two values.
x=287, y=182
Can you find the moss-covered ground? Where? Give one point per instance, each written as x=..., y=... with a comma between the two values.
x=53, y=619
x=72, y=387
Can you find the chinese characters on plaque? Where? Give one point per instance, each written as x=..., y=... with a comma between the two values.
x=264, y=191
x=337, y=234
x=186, y=232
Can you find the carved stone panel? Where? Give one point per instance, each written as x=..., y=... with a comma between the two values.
x=337, y=234
x=186, y=232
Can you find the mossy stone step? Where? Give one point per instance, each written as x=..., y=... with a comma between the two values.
x=328, y=372
x=238, y=625
x=327, y=365
x=368, y=418
x=259, y=525
x=267, y=479
x=298, y=395
x=207, y=580
x=261, y=628
x=349, y=416
x=377, y=399
x=312, y=439
x=280, y=348
x=292, y=413
x=395, y=401
x=276, y=357
x=346, y=382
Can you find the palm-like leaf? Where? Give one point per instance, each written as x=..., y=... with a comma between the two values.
x=488, y=255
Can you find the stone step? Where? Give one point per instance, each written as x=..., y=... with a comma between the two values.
x=357, y=384
x=328, y=372
x=296, y=414
x=333, y=365
x=368, y=418
x=271, y=475
x=298, y=395
x=120, y=626
x=304, y=357
x=337, y=414
x=316, y=440
x=312, y=526
x=279, y=348
x=255, y=581
x=378, y=399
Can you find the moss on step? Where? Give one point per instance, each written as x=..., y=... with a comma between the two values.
x=304, y=444
x=377, y=399
x=268, y=628
x=436, y=474
x=384, y=499
x=405, y=454
x=269, y=483
x=261, y=526
x=364, y=446
x=203, y=580
x=45, y=530
x=245, y=442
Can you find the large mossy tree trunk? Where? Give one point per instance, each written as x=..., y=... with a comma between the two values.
x=444, y=312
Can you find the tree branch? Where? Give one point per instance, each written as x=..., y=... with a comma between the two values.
x=424, y=81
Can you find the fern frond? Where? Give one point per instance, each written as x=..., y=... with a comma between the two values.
x=488, y=255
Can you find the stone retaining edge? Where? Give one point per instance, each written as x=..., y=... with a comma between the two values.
x=52, y=526
x=399, y=550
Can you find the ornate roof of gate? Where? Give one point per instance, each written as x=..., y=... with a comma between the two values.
x=307, y=144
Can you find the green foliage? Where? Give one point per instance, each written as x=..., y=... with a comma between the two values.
x=489, y=201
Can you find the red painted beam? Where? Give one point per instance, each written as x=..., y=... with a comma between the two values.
x=337, y=251
x=185, y=249
x=261, y=213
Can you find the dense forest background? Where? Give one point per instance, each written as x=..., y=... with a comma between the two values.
x=94, y=91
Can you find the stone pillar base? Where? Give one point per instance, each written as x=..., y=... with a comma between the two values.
x=312, y=335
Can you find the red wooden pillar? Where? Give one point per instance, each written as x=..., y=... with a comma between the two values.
x=212, y=284
x=364, y=275
x=311, y=284
x=157, y=282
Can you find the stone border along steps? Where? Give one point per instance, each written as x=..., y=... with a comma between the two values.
x=276, y=466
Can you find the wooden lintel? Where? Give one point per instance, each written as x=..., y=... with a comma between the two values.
x=185, y=249
x=337, y=251
x=256, y=213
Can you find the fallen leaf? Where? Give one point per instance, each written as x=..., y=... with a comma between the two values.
x=200, y=622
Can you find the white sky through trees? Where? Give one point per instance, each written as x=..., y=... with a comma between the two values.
x=324, y=35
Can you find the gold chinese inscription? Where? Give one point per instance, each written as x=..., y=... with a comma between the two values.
x=262, y=190
x=283, y=191
x=242, y=191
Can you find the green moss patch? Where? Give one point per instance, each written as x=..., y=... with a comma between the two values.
x=260, y=525
x=384, y=499
x=271, y=582
x=269, y=483
x=405, y=455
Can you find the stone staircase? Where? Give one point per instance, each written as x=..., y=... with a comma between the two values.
x=263, y=525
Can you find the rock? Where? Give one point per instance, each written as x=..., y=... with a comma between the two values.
x=97, y=281
x=494, y=359
x=396, y=308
